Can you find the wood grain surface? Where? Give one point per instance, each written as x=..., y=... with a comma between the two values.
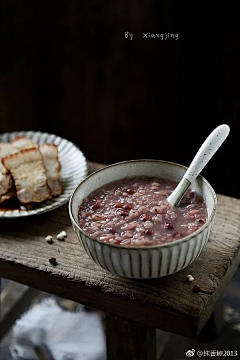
x=169, y=303
x=127, y=340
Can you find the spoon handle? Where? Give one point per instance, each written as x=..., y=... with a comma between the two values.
x=204, y=154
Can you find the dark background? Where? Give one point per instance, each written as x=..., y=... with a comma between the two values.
x=66, y=68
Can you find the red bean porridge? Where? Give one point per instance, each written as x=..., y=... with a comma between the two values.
x=134, y=212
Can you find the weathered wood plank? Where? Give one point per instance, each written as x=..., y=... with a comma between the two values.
x=215, y=324
x=127, y=340
x=167, y=303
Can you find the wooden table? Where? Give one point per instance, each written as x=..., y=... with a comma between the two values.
x=134, y=308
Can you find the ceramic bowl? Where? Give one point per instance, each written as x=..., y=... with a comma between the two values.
x=151, y=261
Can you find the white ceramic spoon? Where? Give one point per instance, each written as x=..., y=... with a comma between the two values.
x=204, y=154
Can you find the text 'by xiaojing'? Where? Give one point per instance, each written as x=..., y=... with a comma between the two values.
x=148, y=35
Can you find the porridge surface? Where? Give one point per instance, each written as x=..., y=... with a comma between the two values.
x=134, y=212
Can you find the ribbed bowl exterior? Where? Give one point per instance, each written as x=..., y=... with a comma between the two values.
x=150, y=261
x=147, y=262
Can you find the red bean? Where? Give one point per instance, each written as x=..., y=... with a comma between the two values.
x=122, y=212
x=148, y=232
x=53, y=260
x=130, y=191
x=196, y=288
x=144, y=217
x=169, y=225
x=95, y=206
x=118, y=205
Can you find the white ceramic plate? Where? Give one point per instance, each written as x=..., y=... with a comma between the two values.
x=73, y=170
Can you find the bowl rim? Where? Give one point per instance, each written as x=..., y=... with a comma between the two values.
x=142, y=247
